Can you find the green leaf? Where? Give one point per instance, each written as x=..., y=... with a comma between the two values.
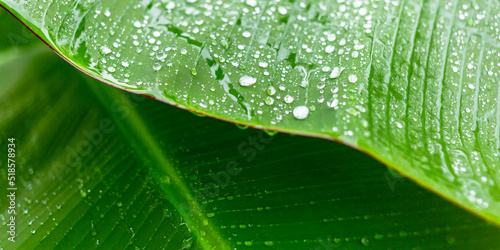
x=412, y=83
x=99, y=167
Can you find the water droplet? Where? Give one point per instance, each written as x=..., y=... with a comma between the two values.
x=288, y=99
x=242, y=127
x=329, y=49
x=161, y=55
x=187, y=243
x=248, y=243
x=301, y=112
x=269, y=243
x=263, y=64
x=359, y=46
x=269, y=100
x=270, y=132
x=282, y=10
x=119, y=204
x=365, y=241
x=137, y=24
x=170, y=5
x=353, y=78
x=247, y=80
x=92, y=229
x=157, y=66
x=247, y=34
x=333, y=103
x=105, y=50
x=335, y=72
x=271, y=90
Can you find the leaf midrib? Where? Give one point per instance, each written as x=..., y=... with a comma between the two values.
x=133, y=128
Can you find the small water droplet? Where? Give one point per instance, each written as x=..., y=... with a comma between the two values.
x=288, y=99
x=365, y=241
x=269, y=100
x=269, y=243
x=271, y=90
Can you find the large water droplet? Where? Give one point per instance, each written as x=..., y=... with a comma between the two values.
x=329, y=49
x=301, y=112
x=247, y=80
x=353, y=78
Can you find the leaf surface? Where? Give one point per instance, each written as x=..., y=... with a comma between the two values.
x=89, y=177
